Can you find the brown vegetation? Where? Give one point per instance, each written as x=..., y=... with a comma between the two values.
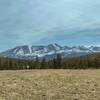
x=50, y=85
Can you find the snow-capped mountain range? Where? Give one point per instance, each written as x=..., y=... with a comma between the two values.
x=50, y=51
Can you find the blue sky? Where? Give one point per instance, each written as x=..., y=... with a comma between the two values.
x=35, y=22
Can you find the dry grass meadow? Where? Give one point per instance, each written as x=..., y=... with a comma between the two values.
x=50, y=85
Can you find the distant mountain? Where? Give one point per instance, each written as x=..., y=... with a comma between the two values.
x=50, y=51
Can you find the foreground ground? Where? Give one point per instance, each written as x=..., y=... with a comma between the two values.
x=50, y=85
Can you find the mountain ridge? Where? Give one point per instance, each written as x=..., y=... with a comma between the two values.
x=49, y=51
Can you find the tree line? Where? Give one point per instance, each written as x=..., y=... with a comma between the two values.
x=84, y=62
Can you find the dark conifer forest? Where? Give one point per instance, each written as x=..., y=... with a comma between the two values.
x=85, y=62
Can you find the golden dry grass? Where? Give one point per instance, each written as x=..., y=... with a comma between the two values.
x=50, y=85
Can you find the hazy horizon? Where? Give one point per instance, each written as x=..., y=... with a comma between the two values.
x=36, y=22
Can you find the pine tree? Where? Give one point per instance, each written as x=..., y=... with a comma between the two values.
x=36, y=63
x=59, y=61
x=43, y=64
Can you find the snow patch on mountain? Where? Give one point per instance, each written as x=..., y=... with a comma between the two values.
x=30, y=49
x=20, y=52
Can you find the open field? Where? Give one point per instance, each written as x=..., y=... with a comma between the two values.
x=50, y=85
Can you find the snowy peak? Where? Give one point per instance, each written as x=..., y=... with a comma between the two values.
x=95, y=48
x=20, y=50
x=54, y=46
x=49, y=51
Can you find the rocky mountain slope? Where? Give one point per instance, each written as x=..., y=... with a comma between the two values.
x=50, y=51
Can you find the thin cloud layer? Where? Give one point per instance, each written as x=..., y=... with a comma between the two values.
x=68, y=22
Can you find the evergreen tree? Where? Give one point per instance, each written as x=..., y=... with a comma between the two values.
x=43, y=64
x=59, y=61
